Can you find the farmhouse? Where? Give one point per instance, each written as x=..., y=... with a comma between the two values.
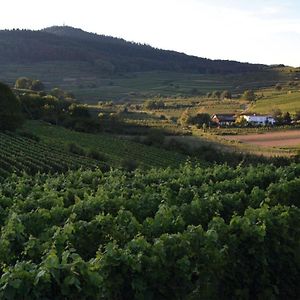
x=223, y=119
x=259, y=119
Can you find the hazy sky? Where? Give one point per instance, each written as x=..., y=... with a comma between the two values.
x=262, y=31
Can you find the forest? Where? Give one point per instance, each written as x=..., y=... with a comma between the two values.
x=109, y=54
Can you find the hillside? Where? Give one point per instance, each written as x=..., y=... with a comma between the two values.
x=115, y=151
x=100, y=67
x=105, y=53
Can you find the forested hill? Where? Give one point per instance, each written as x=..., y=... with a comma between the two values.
x=107, y=54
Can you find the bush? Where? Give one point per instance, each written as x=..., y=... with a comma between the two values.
x=95, y=154
x=75, y=149
x=10, y=109
x=29, y=136
x=129, y=165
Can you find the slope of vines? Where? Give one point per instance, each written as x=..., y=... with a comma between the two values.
x=115, y=149
x=187, y=233
x=20, y=154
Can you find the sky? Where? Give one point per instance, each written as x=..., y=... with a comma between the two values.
x=256, y=31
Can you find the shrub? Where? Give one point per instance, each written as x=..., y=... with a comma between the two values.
x=95, y=154
x=75, y=149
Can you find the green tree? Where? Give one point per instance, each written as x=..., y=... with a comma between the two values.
x=216, y=94
x=10, y=109
x=37, y=85
x=23, y=83
x=278, y=87
x=286, y=117
x=297, y=115
x=277, y=115
x=249, y=95
x=185, y=118
x=226, y=95
x=200, y=119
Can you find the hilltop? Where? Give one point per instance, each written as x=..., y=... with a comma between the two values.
x=108, y=54
x=98, y=67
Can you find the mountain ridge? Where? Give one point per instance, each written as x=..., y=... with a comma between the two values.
x=64, y=43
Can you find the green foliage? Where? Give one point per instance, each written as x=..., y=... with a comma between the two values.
x=226, y=95
x=29, y=84
x=25, y=152
x=153, y=104
x=278, y=87
x=188, y=233
x=200, y=119
x=249, y=95
x=74, y=148
x=10, y=109
x=114, y=148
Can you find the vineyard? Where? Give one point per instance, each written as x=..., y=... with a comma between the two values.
x=20, y=154
x=185, y=233
x=115, y=149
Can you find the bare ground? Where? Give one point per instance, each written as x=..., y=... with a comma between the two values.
x=272, y=139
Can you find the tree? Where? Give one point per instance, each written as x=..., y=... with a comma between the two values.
x=37, y=85
x=29, y=84
x=277, y=115
x=10, y=109
x=278, y=87
x=297, y=115
x=23, y=83
x=249, y=95
x=185, y=118
x=201, y=119
x=79, y=111
x=226, y=95
x=216, y=94
x=286, y=118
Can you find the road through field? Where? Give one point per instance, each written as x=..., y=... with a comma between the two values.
x=273, y=139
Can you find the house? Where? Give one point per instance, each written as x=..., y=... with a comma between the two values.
x=259, y=119
x=223, y=119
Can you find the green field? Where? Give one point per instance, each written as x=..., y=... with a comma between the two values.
x=285, y=101
x=114, y=149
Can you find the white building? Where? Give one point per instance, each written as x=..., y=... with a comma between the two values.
x=259, y=119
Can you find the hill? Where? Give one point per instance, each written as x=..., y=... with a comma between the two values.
x=100, y=67
x=106, y=53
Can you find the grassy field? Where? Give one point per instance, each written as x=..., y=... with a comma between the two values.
x=115, y=150
x=286, y=100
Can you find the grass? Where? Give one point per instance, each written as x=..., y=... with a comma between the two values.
x=286, y=100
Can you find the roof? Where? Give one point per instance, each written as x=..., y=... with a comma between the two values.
x=224, y=117
x=257, y=115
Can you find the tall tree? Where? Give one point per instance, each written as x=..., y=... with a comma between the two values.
x=10, y=109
